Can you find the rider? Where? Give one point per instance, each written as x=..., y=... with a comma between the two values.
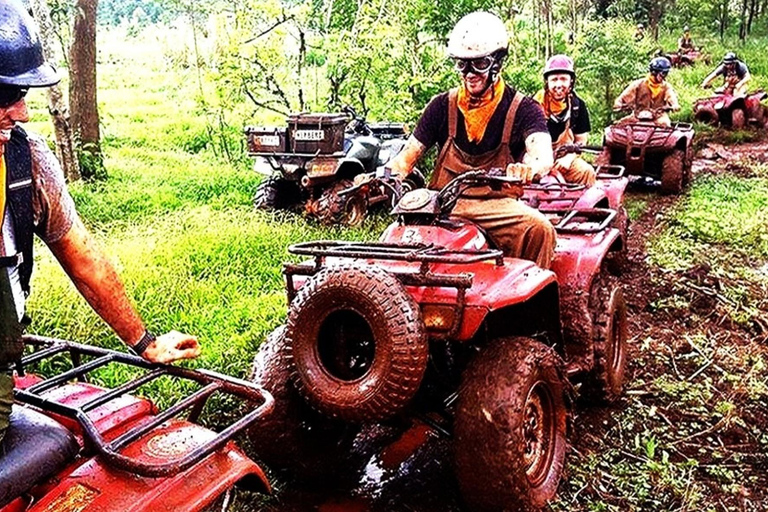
x=685, y=43
x=640, y=32
x=652, y=93
x=735, y=76
x=567, y=119
x=485, y=124
x=34, y=199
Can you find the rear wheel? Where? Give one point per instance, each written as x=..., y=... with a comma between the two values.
x=510, y=427
x=672, y=172
x=275, y=193
x=738, y=119
x=357, y=343
x=609, y=316
x=347, y=210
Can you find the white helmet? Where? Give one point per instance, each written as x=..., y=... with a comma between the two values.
x=476, y=35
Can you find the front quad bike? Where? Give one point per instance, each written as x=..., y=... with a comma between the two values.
x=433, y=325
x=318, y=156
x=73, y=445
x=735, y=112
x=656, y=152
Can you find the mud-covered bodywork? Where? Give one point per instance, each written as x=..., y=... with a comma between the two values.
x=130, y=455
x=731, y=111
x=640, y=147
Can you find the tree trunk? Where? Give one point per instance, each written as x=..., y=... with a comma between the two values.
x=57, y=106
x=743, y=22
x=82, y=89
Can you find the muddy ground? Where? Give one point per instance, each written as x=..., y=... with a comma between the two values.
x=690, y=433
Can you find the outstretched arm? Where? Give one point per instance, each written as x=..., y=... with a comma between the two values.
x=626, y=99
x=96, y=279
x=405, y=161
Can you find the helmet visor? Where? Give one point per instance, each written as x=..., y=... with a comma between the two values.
x=479, y=65
x=10, y=95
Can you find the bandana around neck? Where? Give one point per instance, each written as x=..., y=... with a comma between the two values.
x=478, y=111
x=552, y=107
x=654, y=87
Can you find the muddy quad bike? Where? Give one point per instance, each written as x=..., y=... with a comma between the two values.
x=318, y=156
x=433, y=324
x=681, y=59
x=76, y=446
x=655, y=152
x=553, y=193
x=735, y=112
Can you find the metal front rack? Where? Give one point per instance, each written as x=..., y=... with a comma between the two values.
x=583, y=220
x=211, y=382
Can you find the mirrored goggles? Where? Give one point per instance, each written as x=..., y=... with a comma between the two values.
x=10, y=95
x=479, y=65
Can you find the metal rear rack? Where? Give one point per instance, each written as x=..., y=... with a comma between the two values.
x=211, y=382
x=583, y=220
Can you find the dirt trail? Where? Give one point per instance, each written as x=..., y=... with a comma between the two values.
x=424, y=482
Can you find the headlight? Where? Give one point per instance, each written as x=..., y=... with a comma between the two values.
x=438, y=317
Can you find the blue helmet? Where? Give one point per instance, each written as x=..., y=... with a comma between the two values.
x=22, y=63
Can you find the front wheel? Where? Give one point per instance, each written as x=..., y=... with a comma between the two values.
x=673, y=172
x=738, y=119
x=510, y=427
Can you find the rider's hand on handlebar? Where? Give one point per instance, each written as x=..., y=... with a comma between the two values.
x=171, y=347
x=361, y=179
x=522, y=172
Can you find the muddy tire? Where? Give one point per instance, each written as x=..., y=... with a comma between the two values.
x=348, y=210
x=510, y=427
x=275, y=193
x=738, y=119
x=604, y=384
x=617, y=261
x=707, y=115
x=358, y=344
x=672, y=172
x=293, y=437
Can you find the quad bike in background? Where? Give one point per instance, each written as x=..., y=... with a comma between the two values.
x=433, y=328
x=76, y=446
x=319, y=155
x=646, y=149
x=735, y=112
x=681, y=59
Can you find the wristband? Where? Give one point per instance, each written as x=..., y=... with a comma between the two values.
x=143, y=343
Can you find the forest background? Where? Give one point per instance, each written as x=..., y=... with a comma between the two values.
x=179, y=79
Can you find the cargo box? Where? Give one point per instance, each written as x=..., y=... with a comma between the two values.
x=316, y=133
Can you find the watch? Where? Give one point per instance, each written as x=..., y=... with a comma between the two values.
x=143, y=342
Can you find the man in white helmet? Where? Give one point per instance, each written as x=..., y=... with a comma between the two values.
x=486, y=124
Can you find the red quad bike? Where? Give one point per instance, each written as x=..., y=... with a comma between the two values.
x=644, y=148
x=432, y=326
x=681, y=59
x=76, y=446
x=731, y=111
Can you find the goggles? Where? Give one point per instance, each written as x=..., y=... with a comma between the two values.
x=479, y=65
x=660, y=73
x=10, y=95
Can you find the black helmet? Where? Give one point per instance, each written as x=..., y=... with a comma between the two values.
x=660, y=65
x=729, y=57
x=22, y=63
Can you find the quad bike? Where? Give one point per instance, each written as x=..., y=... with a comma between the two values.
x=433, y=325
x=76, y=446
x=731, y=111
x=681, y=59
x=644, y=148
x=320, y=155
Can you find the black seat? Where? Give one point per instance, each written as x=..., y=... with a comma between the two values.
x=35, y=447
